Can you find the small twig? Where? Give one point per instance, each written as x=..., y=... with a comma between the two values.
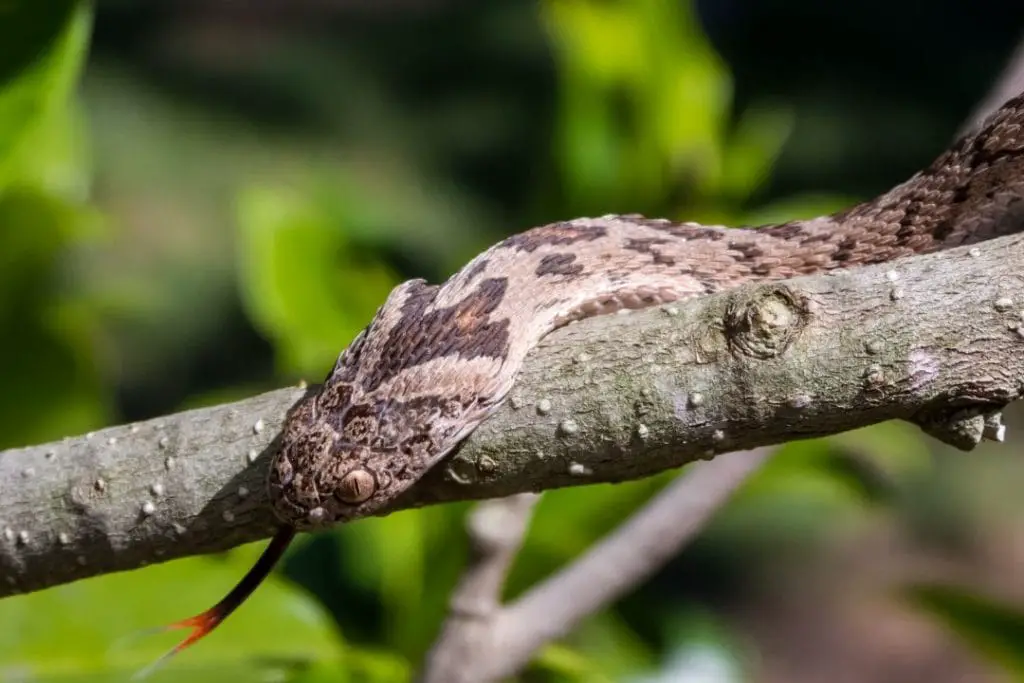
x=630, y=554
x=497, y=642
x=496, y=530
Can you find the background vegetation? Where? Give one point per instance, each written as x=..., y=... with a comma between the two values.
x=204, y=200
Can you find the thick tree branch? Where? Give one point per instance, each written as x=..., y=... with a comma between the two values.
x=934, y=339
x=496, y=640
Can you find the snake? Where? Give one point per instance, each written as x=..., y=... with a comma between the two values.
x=436, y=360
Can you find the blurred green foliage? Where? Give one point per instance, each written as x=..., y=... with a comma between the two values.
x=55, y=359
x=303, y=286
x=992, y=627
x=644, y=119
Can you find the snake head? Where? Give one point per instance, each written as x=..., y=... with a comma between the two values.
x=326, y=469
x=341, y=459
x=400, y=397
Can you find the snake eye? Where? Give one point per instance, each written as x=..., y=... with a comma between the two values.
x=356, y=487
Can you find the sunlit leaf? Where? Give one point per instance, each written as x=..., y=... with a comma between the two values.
x=802, y=206
x=611, y=647
x=27, y=29
x=644, y=101
x=753, y=148
x=411, y=560
x=570, y=664
x=301, y=281
x=31, y=96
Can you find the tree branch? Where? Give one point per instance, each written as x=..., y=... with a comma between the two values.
x=488, y=644
x=470, y=636
x=934, y=339
x=485, y=641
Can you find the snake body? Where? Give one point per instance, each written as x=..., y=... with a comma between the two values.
x=438, y=359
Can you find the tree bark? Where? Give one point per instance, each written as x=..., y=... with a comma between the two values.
x=933, y=339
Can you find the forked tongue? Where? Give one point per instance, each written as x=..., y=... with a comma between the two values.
x=202, y=624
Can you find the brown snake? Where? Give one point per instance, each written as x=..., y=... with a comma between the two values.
x=436, y=360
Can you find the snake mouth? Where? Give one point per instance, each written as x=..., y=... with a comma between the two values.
x=291, y=505
x=303, y=517
x=288, y=511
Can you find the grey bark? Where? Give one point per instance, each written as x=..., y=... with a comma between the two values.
x=483, y=640
x=935, y=340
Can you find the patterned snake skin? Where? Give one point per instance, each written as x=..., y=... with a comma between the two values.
x=437, y=359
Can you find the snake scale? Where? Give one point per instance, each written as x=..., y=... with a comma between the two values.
x=438, y=359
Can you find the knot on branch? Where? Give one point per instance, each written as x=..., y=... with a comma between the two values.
x=964, y=428
x=763, y=322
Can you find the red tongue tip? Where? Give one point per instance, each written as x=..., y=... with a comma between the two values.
x=201, y=625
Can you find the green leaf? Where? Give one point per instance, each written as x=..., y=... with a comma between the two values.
x=411, y=560
x=302, y=281
x=644, y=97
x=570, y=664
x=993, y=628
x=753, y=149
x=92, y=628
x=806, y=205
x=30, y=97
x=52, y=358
x=27, y=28
x=43, y=180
